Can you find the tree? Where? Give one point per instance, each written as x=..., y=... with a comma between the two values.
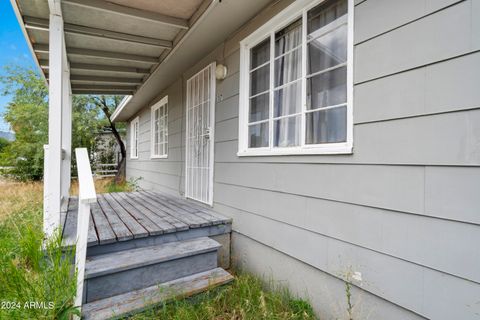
x=104, y=105
x=3, y=144
x=27, y=114
x=108, y=104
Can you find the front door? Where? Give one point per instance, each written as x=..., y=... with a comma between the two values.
x=200, y=135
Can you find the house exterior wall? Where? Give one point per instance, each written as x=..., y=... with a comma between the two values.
x=403, y=209
x=161, y=174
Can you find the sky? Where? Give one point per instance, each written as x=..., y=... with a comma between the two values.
x=13, y=50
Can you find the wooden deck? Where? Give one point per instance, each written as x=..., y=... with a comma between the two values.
x=125, y=216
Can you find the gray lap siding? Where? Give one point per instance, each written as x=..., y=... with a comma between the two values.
x=402, y=209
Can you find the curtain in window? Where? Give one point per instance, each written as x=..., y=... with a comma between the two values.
x=289, y=89
x=288, y=86
x=327, y=73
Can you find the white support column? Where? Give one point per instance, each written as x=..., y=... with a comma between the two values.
x=45, y=188
x=56, y=82
x=66, y=133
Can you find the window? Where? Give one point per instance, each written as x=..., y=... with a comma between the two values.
x=134, y=128
x=296, y=82
x=159, y=139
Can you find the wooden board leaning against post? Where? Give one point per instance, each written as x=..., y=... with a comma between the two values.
x=86, y=196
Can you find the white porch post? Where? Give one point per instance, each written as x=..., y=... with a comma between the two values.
x=66, y=133
x=56, y=92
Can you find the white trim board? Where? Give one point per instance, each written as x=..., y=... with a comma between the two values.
x=296, y=10
x=162, y=103
x=134, y=137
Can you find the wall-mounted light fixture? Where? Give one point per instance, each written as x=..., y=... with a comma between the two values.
x=220, y=72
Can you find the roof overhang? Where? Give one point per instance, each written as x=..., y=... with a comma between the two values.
x=112, y=46
x=132, y=48
x=219, y=21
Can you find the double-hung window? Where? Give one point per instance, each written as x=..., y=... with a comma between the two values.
x=296, y=81
x=159, y=130
x=134, y=128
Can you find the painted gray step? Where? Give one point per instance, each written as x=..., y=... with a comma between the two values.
x=115, y=273
x=159, y=239
x=120, y=261
x=136, y=301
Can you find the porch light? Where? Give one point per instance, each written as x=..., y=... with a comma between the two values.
x=220, y=72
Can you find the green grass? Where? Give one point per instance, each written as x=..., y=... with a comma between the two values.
x=122, y=186
x=247, y=298
x=117, y=187
x=29, y=274
x=108, y=185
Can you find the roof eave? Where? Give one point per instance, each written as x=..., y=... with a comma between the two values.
x=18, y=15
x=118, y=115
x=120, y=108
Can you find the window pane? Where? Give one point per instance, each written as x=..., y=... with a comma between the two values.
x=259, y=107
x=286, y=132
x=164, y=123
x=160, y=124
x=288, y=67
x=258, y=135
x=325, y=13
x=195, y=91
x=288, y=38
x=206, y=85
x=288, y=100
x=326, y=126
x=327, y=89
x=260, y=54
x=259, y=80
x=327, y=51
x=155, y=135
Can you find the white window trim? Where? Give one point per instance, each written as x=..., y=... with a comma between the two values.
x=157, y=106
x=297, y=9
x=134, y=137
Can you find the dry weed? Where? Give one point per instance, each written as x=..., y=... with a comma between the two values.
x=16, y=196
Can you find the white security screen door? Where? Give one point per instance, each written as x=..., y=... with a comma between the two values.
x=200, y=135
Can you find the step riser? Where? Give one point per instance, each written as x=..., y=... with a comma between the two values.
x=160, y=239
x=136, y=301
x=146, y=276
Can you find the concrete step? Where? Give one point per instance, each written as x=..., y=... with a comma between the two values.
x=138, y=300
x=115, y=273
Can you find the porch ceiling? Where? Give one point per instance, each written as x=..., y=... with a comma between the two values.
x=112, y=46
x=133, y=47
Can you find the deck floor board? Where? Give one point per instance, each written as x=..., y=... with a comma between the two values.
x=179, y=213
x=106, y=223
x=119, y=228
x=125, y=216
x=137, y=230
x=70, y=225
x=194, y=208
x=163, y=224
x=153, y=207
x=152, y=228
